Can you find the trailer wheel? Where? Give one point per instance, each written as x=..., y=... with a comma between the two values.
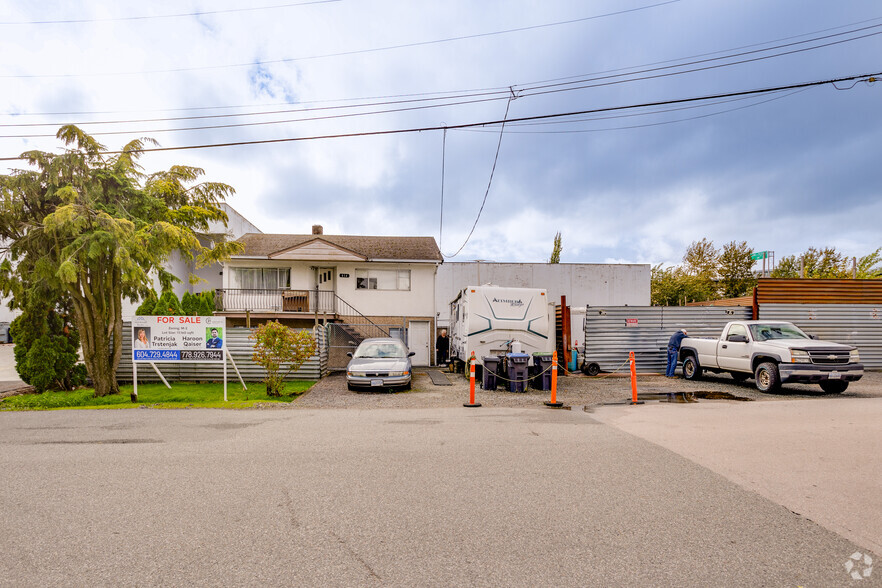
x=590, y=369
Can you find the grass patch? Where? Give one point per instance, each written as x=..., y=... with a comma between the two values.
x=181, y=395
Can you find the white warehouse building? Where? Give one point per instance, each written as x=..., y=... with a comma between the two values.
x=584, y=284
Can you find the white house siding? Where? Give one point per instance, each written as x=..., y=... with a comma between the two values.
x=584, y=284
x=417, y=302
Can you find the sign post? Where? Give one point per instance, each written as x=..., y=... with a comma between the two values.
x=176, y=339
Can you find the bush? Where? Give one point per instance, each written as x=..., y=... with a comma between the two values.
x=277, y=345
x=206, y=303
x=190, y=304
x=46, y=347
x=168, y=305
x=147, y=306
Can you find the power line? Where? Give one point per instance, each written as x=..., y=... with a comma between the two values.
x=437, y=94
x=641, y=126
x=872, y=77
x=161, y=16
x=344, y=53
x=523, y=91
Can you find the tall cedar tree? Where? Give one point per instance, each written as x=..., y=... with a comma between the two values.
x=91, y=226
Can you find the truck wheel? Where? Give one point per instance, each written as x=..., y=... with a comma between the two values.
x=767, y=377
x=739, y=376
x=834, y=386
x=691, y=369
x=590, y=369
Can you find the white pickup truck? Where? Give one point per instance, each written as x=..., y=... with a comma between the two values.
x=774, y=353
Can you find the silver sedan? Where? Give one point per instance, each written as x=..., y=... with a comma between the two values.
x=380, y=363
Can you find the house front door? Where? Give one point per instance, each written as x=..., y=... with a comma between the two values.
x=325, y=279
x=418, y=341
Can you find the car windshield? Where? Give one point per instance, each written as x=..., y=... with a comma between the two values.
x=762, y=332
x=384, y=349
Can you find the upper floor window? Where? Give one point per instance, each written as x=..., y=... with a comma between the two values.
x=382, y=279
x=262, y=278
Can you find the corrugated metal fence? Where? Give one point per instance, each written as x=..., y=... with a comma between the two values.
x=611, y=332
x=854, y=324
x=239, y=346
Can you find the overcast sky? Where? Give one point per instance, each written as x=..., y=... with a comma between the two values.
x=782, y=170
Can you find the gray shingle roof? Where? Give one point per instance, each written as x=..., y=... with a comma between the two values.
x=403, y=248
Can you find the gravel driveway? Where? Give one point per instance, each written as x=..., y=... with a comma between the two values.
x=573, y=390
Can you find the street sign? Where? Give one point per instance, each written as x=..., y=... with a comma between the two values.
x=759, y=255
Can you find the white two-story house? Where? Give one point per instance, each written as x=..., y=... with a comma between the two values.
x=363, y=286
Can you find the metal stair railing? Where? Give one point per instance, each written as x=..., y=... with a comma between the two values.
x=363, y=325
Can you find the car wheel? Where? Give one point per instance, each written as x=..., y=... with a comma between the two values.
x=834, y=386
x=739, y=376
x=590, y=369
x=767, y=377
x=691, y=369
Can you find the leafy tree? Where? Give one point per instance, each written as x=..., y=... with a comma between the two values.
x=736, y=270
x=870, y=266
x=816, y=263
x=89, y=225
x=46, y=346
x=558, y=247
x=277, y=345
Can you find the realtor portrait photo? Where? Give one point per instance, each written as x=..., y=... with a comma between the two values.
x=142, y=337
x=214, y=340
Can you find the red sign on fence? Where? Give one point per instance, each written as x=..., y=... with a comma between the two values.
x=630, y=322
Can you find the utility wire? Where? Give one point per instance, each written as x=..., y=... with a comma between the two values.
x=490, y=182
x=393, y=97
x=641, y=126
x=871, y=77
x=479, y=97
x=344, y=53
x=159, y=16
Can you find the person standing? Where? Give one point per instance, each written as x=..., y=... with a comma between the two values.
x=442, y=347
x=674, y=351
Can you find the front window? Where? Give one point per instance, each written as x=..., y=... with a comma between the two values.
x=382, y=279
x=766, y=332
x=262, y=278
x=376, y=349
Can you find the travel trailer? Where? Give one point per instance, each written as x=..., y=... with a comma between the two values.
x=487, y=319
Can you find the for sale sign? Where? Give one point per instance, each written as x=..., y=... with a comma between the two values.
x=179, y=338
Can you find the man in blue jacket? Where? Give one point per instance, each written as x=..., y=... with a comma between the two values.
x=674, y=351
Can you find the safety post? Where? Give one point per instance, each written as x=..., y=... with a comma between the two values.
x=553, y=403
x=633, y=379
x=471, y=403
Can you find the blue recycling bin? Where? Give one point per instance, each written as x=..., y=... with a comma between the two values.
x=518, y=367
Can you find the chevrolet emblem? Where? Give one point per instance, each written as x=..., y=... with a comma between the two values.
x=831, y=356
